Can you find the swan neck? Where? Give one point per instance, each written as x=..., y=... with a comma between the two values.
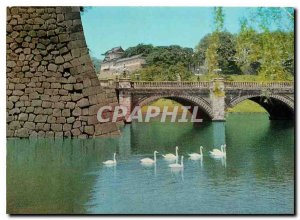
x=154, y=156
x=181, y=161
x=200, y=151
x=176, y=152
x=114, y=157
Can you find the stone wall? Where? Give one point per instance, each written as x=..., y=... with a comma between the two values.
x=52, y=87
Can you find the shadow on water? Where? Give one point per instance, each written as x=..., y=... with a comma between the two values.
x=48, y=175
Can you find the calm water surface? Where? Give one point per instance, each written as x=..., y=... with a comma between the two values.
x=67, y=176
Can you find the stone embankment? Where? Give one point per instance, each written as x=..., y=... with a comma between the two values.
x=52, y=88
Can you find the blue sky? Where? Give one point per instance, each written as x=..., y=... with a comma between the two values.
x=107, y=27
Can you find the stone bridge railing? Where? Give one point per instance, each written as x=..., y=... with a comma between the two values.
x=169, y=84
x=202, y=84
x=259, y=85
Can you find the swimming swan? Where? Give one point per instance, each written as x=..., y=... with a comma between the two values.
x=149, y=160
x=196, y=156
x=219, y=153
x=111, y=162
x=171, y=156
x=177, y=165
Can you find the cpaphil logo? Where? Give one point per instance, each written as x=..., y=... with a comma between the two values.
x=114, y=114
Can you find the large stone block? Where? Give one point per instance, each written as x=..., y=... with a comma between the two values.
x=29, y=125
x=52, y=67
x=41, y=118
x=39, y=126
x=57, y=112
x=46, y=127
x=67, y=127
x=23, y=117
x=89, y=130
x=51, y=119
x=70, y=120
x=49, y=134
x=36, y=103
x=70, y=105
x=56, y=127
x=31, y=117
x=75, y=97
x=66, y=113
x=61, y=120
x=22, y=132
x=77, y=124
x=75, y=132
x=59, y=105
x=46, y=104
x=38, y=110
x=14, y=125
x=76, y=112
x=83, y=102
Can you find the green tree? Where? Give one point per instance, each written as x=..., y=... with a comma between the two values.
x=218, y=19
x=220, y=49
x=211, y=54
x=273, y=56
x=268, y=53
x=163, y=73
x=144, y=49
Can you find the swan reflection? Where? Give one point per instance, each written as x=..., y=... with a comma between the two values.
x=149, y=165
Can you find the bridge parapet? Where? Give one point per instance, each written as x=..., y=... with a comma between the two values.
x=168, y=84
x=198, y=85
x=259, y=85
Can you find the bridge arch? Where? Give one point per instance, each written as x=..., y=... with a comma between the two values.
x=185, y=100
x=278, y=106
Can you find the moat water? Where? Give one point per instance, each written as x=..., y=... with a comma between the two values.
x=68, y=177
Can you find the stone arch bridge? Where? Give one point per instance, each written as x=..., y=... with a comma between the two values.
x=212, y=97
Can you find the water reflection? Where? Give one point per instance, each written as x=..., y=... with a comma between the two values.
x=218, y=134
x=67, y=176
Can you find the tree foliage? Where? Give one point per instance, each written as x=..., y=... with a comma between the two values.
x=217, y=51
x=219, y=19
x=268, y=53
x=256, y=50
x=163, y=73
x=144, y=49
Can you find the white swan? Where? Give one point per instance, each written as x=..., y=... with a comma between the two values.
x=171, y=156
x=219, y=153
x=149, y=160
x=196, y=156
x=177, y=165
x=111, y=162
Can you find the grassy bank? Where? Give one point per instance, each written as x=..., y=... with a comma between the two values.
x=245, y=106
